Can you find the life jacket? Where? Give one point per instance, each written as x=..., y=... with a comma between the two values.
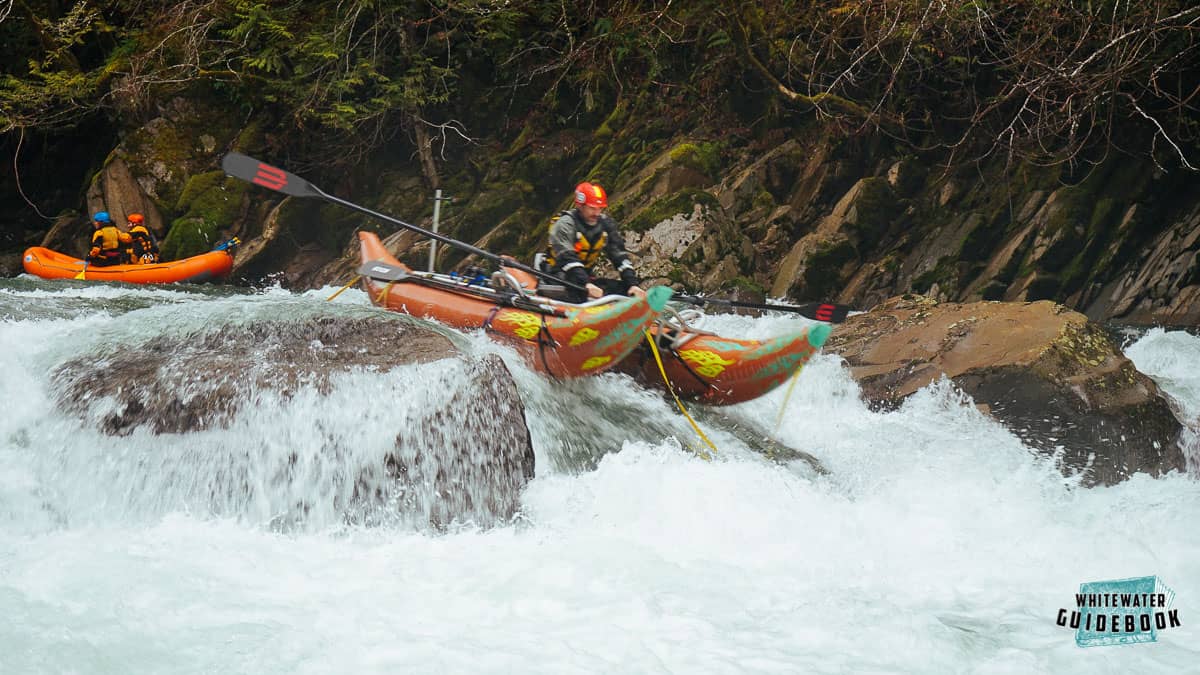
x=588, y=249
x=109, y=239
x=144, y=246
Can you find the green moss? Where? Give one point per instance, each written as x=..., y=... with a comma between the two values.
x=683, y=201
x=521, y=235
x=615, y=119
x=703, y=157
x=209, y=201
x=251, y=138
x=763, y=200
x=187, y=237
x=746, y=284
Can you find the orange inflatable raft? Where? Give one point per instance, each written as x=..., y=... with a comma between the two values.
x=561, y=339
x=214, y=265
x=716, y=370
x=712, y=369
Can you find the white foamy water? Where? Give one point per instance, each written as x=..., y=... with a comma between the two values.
x=936, y=542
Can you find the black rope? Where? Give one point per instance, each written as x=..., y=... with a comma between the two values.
x=544, y=339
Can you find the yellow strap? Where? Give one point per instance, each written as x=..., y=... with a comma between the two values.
x=348, y=285
x=658, y=359
x=786, y=397
x=384, y=293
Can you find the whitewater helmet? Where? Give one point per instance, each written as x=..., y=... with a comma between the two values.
x=102, y=217
x=136, y=218
x=591, y=195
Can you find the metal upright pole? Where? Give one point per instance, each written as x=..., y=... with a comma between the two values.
x=437, y=211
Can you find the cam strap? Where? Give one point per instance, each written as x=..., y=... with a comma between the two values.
x=701, y=453
x=384, y=293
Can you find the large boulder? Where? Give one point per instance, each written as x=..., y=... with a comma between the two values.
x=1051, y=376
x=116, y=190
x=465, y=456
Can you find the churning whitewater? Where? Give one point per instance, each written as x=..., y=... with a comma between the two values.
x=932, y=541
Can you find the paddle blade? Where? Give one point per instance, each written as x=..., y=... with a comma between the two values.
x=81, y=274
x=382, y=271
x=260, y=173
x=826, y=311
x=819, y=311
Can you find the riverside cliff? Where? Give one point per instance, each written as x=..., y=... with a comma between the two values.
x=1061, y=169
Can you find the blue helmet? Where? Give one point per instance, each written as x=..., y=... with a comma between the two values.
x=102, y=217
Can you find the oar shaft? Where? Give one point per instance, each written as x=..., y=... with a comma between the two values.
x=820, y=311
x=259, y=173
x=506, y=262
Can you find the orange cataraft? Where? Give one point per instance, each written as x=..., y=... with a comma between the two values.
x=560, y=339
x=716, y=370
x=47, y=264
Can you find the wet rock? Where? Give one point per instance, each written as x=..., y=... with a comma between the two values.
x=1051, y=376
x=70, y=234
x=466, y=459
x=820, y=261
x=117, y=191
x=1164, y=288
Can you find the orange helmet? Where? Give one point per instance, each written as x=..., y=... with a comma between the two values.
x=591, y=194
x=136, y=218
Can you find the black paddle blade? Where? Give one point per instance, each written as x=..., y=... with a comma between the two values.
x=260, y=173
x=828, y=312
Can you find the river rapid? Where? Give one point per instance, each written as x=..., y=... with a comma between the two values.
x=936, y=542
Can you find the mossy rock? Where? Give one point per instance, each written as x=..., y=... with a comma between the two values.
x=489, y=208
x=822, y=273
x=671, y=205
x=747, y=285
x=704, y=157
x=981, y=242
x=994, y=290
x=209, y=202
x=188, y=138
x=188, y=236
x=874, y=209
x=615, y=119
x=944, y=274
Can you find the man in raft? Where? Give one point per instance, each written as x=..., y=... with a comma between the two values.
x=144, y=247
x=108, y=242
x=578, y=237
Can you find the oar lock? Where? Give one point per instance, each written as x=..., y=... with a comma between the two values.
x=472, y=275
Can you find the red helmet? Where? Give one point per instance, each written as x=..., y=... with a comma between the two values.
x=590, y=194
x=136, y=218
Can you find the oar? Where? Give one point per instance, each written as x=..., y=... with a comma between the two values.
x=83, y=272
x=381, y=271
x=820, y=311
x=253, y=171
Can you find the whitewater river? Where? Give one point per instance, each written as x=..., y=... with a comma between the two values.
x=936, y=543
